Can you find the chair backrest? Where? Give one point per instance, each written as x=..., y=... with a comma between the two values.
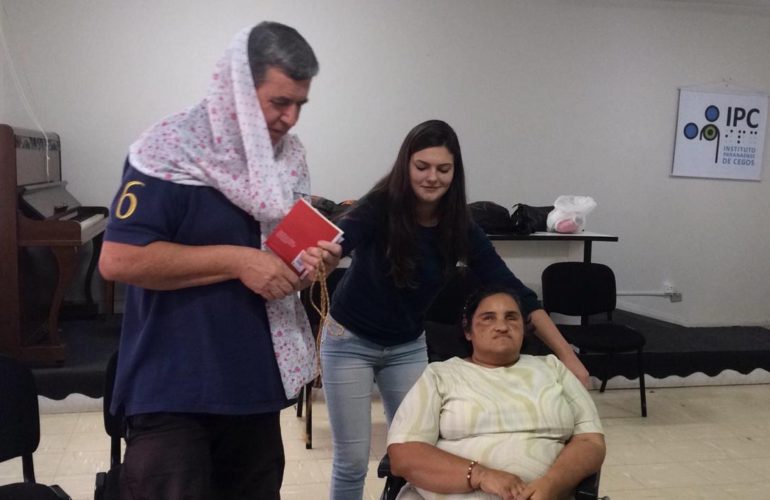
x=578, y=288
x=19, y=414
x=445, y=341
x=448, y=305
x=443, y=332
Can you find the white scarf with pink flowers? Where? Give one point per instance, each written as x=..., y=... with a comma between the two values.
x=223, y=142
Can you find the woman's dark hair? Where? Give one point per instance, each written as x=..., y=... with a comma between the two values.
x=277, y=45
x=475, y=298
x=395, y=190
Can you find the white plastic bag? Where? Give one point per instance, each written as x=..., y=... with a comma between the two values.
x=569, y=213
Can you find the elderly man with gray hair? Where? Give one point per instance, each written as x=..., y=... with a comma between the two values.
x=214, y=343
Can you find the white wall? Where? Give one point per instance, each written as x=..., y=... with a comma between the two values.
x=549, y=97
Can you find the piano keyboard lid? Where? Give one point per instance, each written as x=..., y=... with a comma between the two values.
x=44, y=201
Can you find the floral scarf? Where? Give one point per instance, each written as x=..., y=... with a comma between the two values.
x=223, y=142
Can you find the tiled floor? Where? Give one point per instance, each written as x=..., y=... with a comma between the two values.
x=697, y=443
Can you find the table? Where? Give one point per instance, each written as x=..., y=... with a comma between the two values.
x=586, y=237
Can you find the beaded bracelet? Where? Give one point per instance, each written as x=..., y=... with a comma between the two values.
x=470, y=471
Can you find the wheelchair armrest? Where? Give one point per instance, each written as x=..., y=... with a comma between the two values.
x=101, y=485
x=588, y=488
x=383, y=470
x=59, y=492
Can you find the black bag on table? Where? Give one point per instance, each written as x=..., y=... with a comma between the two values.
x=323, y=205
x=331, y=210
x=493, y=218
x=342, y=208
x=526, y=219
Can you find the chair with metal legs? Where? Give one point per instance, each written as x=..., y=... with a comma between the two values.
x=584, y=289
x=20, y=432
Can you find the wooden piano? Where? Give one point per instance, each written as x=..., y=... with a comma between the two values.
x=38, y=216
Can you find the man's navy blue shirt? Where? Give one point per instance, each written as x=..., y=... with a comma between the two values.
x=203, y=349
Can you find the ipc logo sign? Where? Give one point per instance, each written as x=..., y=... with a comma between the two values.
x=736, y=117
x=720, y=134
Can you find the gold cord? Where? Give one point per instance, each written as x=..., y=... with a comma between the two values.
x=323, y=311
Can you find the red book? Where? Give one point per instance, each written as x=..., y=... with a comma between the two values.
x=303, y=227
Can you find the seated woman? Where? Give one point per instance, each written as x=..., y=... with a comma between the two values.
x=498, y=424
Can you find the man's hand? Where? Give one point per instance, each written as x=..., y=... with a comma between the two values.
x=267, y=275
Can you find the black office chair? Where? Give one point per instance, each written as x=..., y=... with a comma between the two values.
x=20, y=432
x=107, y=482
x=584, y=289
x=305, y=395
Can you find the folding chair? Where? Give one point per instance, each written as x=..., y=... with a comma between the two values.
x=584, y=289
x=20, y=432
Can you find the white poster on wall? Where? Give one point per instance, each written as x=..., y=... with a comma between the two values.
x=720, y=134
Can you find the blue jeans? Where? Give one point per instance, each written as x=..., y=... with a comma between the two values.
x=350, y=366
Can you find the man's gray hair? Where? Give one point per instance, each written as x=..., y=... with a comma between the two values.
x=276, y=45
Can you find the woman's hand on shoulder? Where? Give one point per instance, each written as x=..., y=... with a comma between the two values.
x=577, y=368
x=496, y=482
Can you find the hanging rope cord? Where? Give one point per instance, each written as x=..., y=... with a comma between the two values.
x=323, y=312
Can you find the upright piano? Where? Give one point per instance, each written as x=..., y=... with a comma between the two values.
x=39, y=218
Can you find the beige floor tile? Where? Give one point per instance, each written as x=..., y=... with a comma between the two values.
x=295, y=449
x=617, y=477
x=53, y=443
x=304, y=491
x=759, y=467
x=325, y=465
x=668, y=475
x=90, y=441
x=378, y=447
x=635, y=453
x=730, y=471
x=379, y=428
x=689, y=450
x=676, y=431
x=304, y=471
x=750, y=426
x=618, y=435
x=10, y=471
x=741, y=447
x=753, y=491
x=46, y=464
x=62, y=423
x=687, y=493
x=79, y=462
x=77, y=486
x=90, y=422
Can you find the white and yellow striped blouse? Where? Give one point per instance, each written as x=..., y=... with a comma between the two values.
x=515, y=418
